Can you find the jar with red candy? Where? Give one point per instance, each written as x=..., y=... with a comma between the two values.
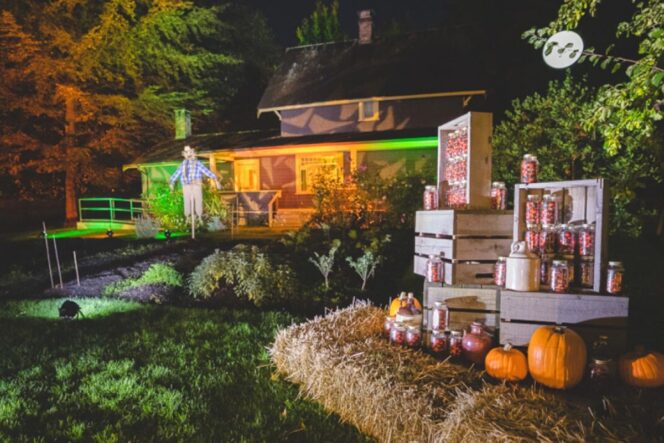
x=529, y=166
x=532, y=237
x=413, y=337
x=549, y=210
x=439, y=342
x=398, y=334
x=430, y=198
x=614, y=277
x=548, y=237
x=500, y=271
x=571, y=268
x=566, y=239
x=456, y=343
x=586, y=240
x=545, y=270
x=439, y=316
x=601, y=373
x=559, y=276
x=586, y=273
x=434, y=270
x=387, y=325
x=498, y=196
x=533, y=209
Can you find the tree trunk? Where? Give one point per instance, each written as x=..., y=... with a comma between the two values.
x=71, y=210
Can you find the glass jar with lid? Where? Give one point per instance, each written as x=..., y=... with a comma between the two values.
x=430, y=197
x=548, y=239
x=529, y=166
x=398, y=334
x=439, y=342
x=413, y=337
x=549, y=210
x=532, y=237
x=439, y=316
x=559, y=276
x=500, y=271
x=456, y=343
x=545, y=270
x=586, y=274
x=614, y=277
x=387, y=325
x=586, y=240
x=566, y=239
x=601, y=372
x=434, y=270
x=533, y=204
x=498, y=196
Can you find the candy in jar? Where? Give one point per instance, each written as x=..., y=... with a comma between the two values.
x=456, y=343
x=601, y=372
x=398, y=333
x=434, y=271
x=498, y=196
x=545, y=270
x=549, y=210
x=413, y=337
x=548, y=237
x=529, y=169
x=571, y=274
x=387, y=325
x=586, y=272
x=566, y=239
x=533, y=209
x=532, y=238
x=559, y=276
x=499, y=272
x=614, y=277
x=439, y=342
x=586, y=240
x=439, y=316
x=430, y=198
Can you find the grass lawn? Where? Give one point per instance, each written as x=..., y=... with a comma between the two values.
x=149, y=373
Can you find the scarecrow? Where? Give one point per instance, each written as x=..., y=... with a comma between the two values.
x=190, y=172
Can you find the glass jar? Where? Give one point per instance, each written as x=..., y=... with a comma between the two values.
x=586, y=240
x=614, y=277
x=601, y=348
x=398, y=334
x=566, y=239
x=476, y=343
x=601, y=372
x=456, y=343
x=571, y=268
x=439, y=342
x=545, y=270
x=586, y=274
x=548, y=237
x=549, y=210
x=533, y=209
x=532, y=237
x=387, y=325
x=529, y=169
x=439, y=316
x=430, y=198
x=413, y=337
x=559, y=276
x=498, y=196
x=434, y=269
x=499, y=272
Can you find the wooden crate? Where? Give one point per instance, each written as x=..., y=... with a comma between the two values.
x=478, y=126
x=580, y=201
x=589, y=315
x=470, y=242
x=466, y=304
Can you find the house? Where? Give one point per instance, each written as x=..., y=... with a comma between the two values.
x=366, y=102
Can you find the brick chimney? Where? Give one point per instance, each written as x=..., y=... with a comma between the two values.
x=365, y=25
x=182, y=124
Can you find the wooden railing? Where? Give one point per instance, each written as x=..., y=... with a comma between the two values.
x=110, y=209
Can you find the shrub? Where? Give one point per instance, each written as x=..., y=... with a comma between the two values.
x=146, y=227
x=325, y=263
x=251, y=273
x=365, y=266
x=158, y=273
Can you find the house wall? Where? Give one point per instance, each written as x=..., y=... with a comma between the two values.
x=391, y=163
x=393, y=114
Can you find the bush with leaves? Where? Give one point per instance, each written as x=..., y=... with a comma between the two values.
x=325, y=263
x=251, y=273
x=365, y=266
x=168, y=208
x=322, y=26
x=156, y=274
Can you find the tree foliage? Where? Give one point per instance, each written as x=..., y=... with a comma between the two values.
x=552, y=126
x=322, y=26
x=626, y=109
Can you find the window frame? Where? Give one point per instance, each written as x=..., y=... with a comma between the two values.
x=247, y=161
x=376, y=111
x=339, y=157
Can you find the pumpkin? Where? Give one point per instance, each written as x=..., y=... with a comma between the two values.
x=642, y=369
x=506, y=363
x=556, y=357
x=396, y=304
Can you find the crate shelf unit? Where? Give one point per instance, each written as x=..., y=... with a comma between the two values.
x=466, y=304
x=580, y=201
x=472, y=180
x=468, y=241
x=588, y=315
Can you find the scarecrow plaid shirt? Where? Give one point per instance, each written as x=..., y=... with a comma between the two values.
x=191, y=171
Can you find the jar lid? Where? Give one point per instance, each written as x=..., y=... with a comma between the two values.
x=589, y=258
x=549, y=197
x=567, y=257
x=437, y=333
x=432, y=256
x=616, y=264
x=455, y=333
x=414, y=328
x=548, y=257
x=399, y=325
x=534, y=197
x=439, y=304
x=548, y=227
x=430, y=187
x=602, y=361
x=559, y=263
x=532, y=227
x=530, y=157
x=588, y=226
x=390, y=317
x=501, y=258
x=498, y=184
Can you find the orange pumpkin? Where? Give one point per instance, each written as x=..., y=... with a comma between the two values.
x=642, y=369
x=556, y=357
x=396, y=304
x=506, y=363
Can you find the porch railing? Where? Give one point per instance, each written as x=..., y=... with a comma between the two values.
x=109, y=209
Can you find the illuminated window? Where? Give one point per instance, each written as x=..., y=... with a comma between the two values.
x=368, y=110
x=309, y=167
x=247, y=175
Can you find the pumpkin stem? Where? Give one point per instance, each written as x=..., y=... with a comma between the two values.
x=507, y=347
x=559, y=329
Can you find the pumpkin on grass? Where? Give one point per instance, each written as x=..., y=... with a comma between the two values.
x=396, y=304
x=556, y=357
x=506, y=363
x=642, y=369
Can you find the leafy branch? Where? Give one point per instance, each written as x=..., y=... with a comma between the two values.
x=325, y=263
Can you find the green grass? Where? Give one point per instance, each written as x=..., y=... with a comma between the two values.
x=149, y=373
x=157, y=273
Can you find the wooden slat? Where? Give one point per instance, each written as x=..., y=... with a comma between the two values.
x=463, y=248
x=519, y=334
x=439, y=222
x=564, y=308
x=458, y=223
x=459, y=273
x=461, y=320
x=485, y=299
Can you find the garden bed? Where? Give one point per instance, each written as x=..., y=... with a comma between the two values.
x=395, y=394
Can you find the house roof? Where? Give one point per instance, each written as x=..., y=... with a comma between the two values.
x=414, y=64
x=171, y=150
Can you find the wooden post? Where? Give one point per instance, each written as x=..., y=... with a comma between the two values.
x=57, y=261
x=48, y=254
x=78, y=280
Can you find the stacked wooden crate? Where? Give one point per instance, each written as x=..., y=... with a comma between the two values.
x=466, y=303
